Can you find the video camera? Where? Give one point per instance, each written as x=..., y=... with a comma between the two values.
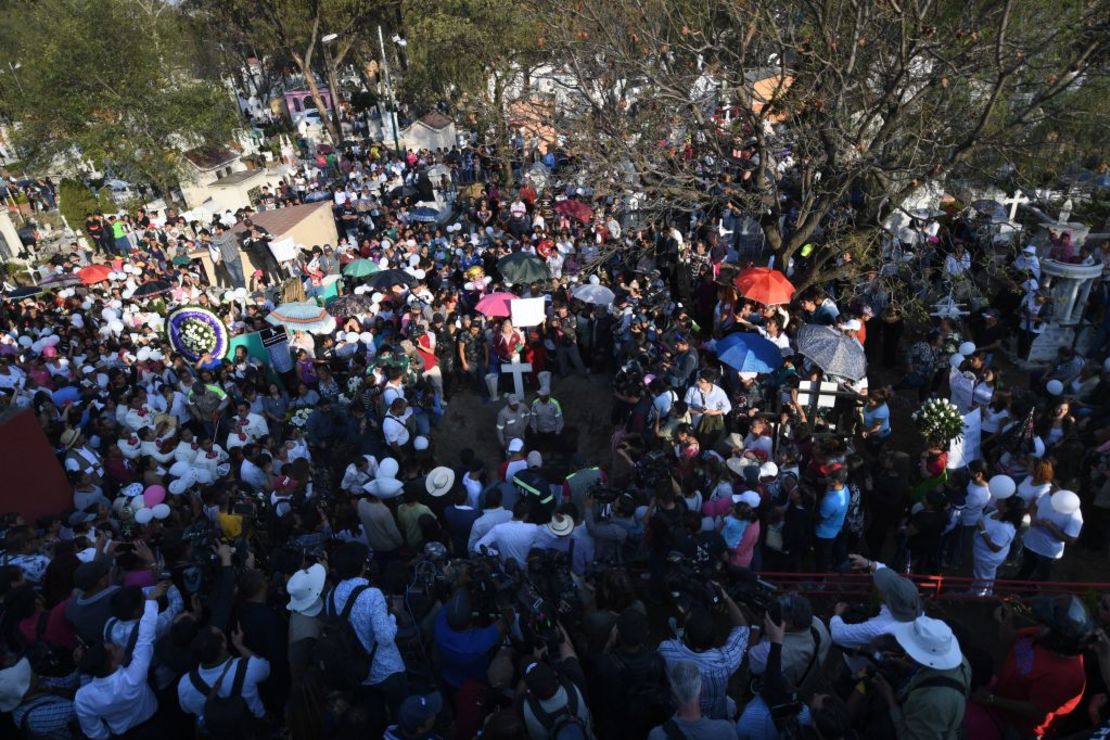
x=689, y=585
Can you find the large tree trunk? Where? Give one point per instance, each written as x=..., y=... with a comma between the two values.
x=333, y=86
x=314, y=89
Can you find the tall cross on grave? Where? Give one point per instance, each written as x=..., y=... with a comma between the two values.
x=517, y=369
x=1013, y=202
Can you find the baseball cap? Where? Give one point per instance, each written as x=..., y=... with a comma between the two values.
x=417, y=710
x=516, y=444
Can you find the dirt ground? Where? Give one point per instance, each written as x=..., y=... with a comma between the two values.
x=471, y=422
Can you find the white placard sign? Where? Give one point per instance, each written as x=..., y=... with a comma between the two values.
x=960, y=389
x=968, y=447
x=825, y=394
x=527, y=311
x=283, y=250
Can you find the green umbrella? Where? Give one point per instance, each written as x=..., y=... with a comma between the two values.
x=523, y=268
x=361, y=268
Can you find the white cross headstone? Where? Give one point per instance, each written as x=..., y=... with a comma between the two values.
x=1014, y=201
x=518, y=369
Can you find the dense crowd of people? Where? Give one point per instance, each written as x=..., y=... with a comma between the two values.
x=257, y=553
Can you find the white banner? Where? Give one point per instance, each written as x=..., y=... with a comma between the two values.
x=283, y=250
x=527, y=311
x=967, y=448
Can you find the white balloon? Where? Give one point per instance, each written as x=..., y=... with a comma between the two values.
x=350, y=337
x=366, y=337
x=116, y=326
x=240, y=292
x=144, y=516
x=161, y=511
x=967, y=348
x=25, y=341
x=1001, y=486
x=956, y=360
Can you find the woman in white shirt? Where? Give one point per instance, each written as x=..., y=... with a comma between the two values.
x=1057, y=522
x=994, y=534
x=983, y=391
x=772, y=332
x=996, y=415
x=1037, y=484
x=977, y=497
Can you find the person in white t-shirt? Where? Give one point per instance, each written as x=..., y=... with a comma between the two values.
x=975, y=500
x=993, y=535
x=1056, y=524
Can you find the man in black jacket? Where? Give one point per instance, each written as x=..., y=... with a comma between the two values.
x=629, y=681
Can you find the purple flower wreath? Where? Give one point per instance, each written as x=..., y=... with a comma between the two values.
x=193, y=331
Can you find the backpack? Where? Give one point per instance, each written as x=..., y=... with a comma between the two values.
x=225, y=717
x=46, y=659
x=647, y=699
x=563, y=721
x=338, y=652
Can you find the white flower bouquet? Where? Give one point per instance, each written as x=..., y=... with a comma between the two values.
x=354, y=384
x=300, y=418
x=939, y=420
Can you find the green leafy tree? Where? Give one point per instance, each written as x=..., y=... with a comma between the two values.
x=109, y=82
x=479, y=56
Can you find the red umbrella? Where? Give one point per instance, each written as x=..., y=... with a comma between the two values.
x=764, y=285
x=496, y=305
x=94, y=274
x=575, y=209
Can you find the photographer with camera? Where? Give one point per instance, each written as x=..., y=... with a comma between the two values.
x=805, y=643
x=901, y=604
x=464, y=649
x=922, y=678
x=552, y=699
x=629, y=680
x=717, y=664
x=776, y=711
x=613, y=525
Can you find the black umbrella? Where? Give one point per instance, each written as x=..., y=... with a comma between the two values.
x=403, y=191
x=27, y=291
x=349, y=305
x=386, y=279
x=152, y=288
x=523, y=268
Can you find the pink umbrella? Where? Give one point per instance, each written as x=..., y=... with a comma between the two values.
x=496, y=305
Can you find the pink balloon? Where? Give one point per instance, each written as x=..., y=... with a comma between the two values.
x=154, y=495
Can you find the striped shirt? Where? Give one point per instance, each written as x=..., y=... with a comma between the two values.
x=716, y=665
x=45, y=716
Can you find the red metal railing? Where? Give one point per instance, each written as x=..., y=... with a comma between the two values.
x=942, y=587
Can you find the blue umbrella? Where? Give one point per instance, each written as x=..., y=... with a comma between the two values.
x=424, y=214
x=747, y=352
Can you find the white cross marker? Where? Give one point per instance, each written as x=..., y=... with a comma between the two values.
x=1017, y=199
x=518, y=369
